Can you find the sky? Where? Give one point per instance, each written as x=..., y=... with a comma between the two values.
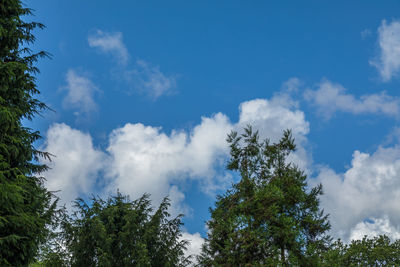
x=144, y=94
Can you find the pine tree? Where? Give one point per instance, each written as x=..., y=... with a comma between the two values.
x=269, y=218
x=26, y=207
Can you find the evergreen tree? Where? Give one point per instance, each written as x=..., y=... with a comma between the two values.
x=25, y=204
x=269, y=218
x=119, y=232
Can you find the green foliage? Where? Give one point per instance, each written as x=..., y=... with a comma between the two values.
x=26, y=206
x=268, y=218
x=119, y=232
x=376, y=251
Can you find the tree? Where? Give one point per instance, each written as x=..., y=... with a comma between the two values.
x=376, y=251
x=268, y=218
x=26, y=207
x=120, y=232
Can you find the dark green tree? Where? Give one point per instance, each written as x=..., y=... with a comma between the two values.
x=270, y=217
x=120, y=232
x=26, y=207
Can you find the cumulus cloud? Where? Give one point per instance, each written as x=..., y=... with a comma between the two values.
x=272, y=117
x=330, y=98
x=194, y=248
x=148, y=79
x=110, y=43
x=76, y=164
x=365, y=198
x=375, y=227
x=144, y=159
x=144, y=156
x=80, y=94
x=388, y=61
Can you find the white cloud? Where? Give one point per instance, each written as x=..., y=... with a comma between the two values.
x=110, y=43
x=368, y=190
x=80, y=94
x=375, y=227
x=194, y=248
x=76, y=164
x=331, y=97
x=146, y=159
x=388, y=61
x=272, y=117
x=150, y=80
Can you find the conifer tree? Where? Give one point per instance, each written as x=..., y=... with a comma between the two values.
x=270, y=217
x=25, y=204
x=120, y=232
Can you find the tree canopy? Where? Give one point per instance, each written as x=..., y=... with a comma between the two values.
x=26, y=206
x=270, y=217
x=375, y=251
x=119, y=232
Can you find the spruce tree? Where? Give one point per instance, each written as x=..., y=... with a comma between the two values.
x=270, y=217
x=26, y=207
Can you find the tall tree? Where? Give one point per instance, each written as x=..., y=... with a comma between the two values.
x=270, y=217
x=120, y=232
x=25, y=204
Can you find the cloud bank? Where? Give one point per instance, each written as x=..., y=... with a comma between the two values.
x=142, y=158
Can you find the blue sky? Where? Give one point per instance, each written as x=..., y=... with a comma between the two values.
x=144, y=93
